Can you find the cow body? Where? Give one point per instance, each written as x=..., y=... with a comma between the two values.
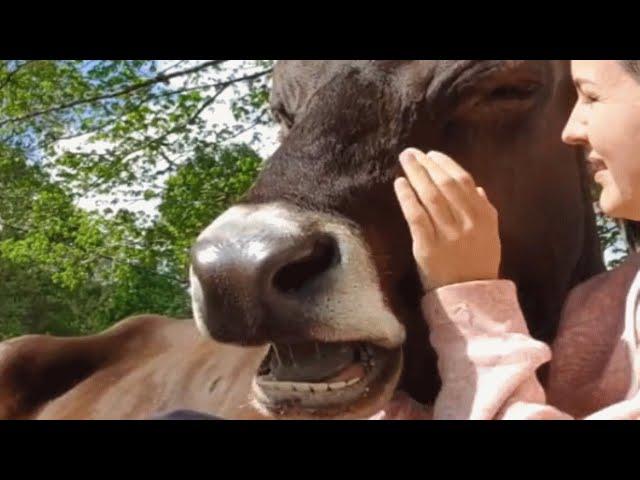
x=318, y=254
x=141, y=366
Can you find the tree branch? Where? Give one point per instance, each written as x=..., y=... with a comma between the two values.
x=252, y=76
x=150, y=97
x=171, y=67
x=96, y=129
x=173, y=165
x=183, y=125
x=246, y=129
x=132, y=88
x=99, y=182
x=12, y=73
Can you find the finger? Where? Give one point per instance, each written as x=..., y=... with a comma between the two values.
x=430, y=196
x=418, y=219
x=484, y=199
x=484, y=202
x=460, y=203
x=453, y=168
x=477, y=197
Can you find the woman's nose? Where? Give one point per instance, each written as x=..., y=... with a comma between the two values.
x=575, y=131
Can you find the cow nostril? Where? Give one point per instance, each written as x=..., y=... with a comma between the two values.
x=293, y=276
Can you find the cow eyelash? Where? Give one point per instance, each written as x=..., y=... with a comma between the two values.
x=506, y=97
x=283, y=116
x=493, y=94
x=513, y=92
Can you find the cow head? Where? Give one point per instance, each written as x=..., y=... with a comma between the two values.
x=316, y=261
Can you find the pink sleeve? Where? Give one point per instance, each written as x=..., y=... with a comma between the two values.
x=626, y=410
x=486, y=357
x=487, y=360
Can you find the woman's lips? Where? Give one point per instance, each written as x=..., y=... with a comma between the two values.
x=595, y=165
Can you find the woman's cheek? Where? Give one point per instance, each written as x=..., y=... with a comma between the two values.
x=610, y=199
x=614, y=137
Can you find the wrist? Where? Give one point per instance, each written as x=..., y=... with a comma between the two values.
x=430, y=283
x=490, y=304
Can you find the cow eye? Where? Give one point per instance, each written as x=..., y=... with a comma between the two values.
x=502, y=98
x=284, y=120
x=283, y=117
x=512, y=93
x=508, y=88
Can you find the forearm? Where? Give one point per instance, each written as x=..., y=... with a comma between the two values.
x=486, y=357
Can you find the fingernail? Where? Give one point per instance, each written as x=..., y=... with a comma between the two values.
x=406, y=156
x=434, y=155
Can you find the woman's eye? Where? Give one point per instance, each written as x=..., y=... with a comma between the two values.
x=591, y=98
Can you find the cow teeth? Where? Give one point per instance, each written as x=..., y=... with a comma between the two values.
x=337, y=385
x=308, y=387
x=279, y=385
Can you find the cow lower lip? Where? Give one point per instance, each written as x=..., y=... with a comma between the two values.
x=370, y=370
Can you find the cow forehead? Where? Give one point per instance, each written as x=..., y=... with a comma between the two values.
x=296, y=80
x=319, y=70
x=316, y=70
x=346, y=121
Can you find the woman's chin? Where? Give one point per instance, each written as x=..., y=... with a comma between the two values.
x=613, y=205
x=601, y=177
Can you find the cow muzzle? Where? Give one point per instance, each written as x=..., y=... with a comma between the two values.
x=303, y=283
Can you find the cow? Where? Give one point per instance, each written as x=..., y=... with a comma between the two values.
x=306, y=299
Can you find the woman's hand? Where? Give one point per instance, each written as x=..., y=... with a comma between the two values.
x=453, y=225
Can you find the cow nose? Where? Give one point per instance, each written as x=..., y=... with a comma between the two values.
x=247, y=287
x=295, y=267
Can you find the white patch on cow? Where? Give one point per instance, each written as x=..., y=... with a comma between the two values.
x=197, y=304
x=355, y=301
x=250, y=218
x=258, y=250
x=208, y=254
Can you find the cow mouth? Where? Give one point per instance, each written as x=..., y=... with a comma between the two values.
x=324, y=379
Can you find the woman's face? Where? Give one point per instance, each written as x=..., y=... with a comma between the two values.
x=606, y=121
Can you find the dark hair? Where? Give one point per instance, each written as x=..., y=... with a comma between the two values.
x=631, y=66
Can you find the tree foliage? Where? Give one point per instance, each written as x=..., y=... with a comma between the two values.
x=147, y=133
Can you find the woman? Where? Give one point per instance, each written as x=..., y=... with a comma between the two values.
x=486, y=357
